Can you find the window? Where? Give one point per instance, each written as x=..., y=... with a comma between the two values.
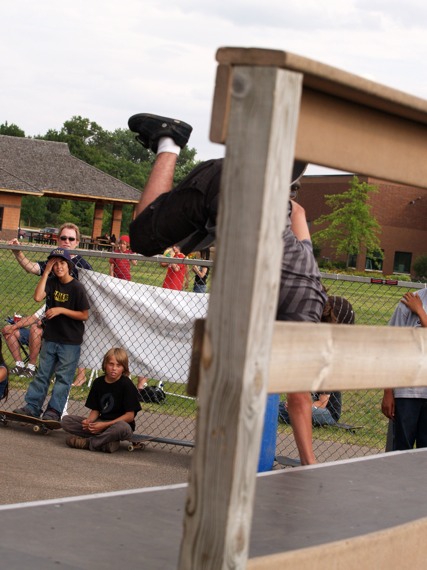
x=375, y=261
x=402, y=262
x=352, y=261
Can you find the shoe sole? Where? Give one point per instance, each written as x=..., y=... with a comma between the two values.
x=151, y=128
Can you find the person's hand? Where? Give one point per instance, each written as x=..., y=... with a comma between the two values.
x=387, y=404
x=53, y=312
x=13, y=241
x=413, y=302
x=96, y=427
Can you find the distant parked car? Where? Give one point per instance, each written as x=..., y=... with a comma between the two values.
x=49, y=233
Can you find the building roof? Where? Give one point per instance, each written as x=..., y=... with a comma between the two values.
x=39, y=167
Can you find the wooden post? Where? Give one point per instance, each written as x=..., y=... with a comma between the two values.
x=237, y=339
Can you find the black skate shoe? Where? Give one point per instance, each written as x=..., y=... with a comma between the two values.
x=151, y=128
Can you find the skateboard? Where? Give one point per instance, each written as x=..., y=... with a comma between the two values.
x=139, y=441
x=39, y=425
x=348, y=427
x=287, y=461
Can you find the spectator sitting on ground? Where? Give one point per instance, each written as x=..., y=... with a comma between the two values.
x=113, y=401
x=4, y=381
x=27, y=331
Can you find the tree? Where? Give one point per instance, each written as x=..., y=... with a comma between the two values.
x=420, y=267
x=117, y=153
x=11, y=130
x=350, y=227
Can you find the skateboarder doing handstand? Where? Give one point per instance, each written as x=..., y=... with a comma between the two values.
x=187, y=215
x=67, y=308
x=113, y=401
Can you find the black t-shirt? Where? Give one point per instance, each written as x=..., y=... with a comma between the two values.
x=114, y=399
x=72, y=295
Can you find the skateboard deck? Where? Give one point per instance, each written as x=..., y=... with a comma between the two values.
x=348, y=427
x=139, y=441
x=39, y=425
x=287, y=461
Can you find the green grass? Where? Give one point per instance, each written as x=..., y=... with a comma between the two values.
x=373, y=304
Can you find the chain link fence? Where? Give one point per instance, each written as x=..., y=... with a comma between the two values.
x=374, y=300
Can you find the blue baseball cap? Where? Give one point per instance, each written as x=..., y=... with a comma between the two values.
x=63, y=253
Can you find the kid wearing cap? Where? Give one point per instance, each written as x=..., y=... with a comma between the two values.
x=67, y=308
x=120, y=267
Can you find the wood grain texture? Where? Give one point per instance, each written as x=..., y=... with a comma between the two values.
x=346, y=122
x=236, y=346
x=317, y=357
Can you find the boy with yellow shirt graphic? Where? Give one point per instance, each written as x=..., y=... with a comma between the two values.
x=67, y=308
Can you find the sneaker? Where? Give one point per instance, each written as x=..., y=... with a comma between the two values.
x=151, y=128
x=17, y=370
x=27, y=373
x=77, y=442
x=111, y=447
x=52, y=415
x=25, y=411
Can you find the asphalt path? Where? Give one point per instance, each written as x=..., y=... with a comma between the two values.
x=37, y=467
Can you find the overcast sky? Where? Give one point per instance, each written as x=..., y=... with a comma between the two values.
x=108, y=59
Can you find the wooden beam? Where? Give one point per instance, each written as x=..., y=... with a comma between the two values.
x=340, y=113
x=243, y=299
x=317, y=357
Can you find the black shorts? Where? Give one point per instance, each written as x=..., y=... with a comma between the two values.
x=186, y=215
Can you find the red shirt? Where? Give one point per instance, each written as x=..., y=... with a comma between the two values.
x=121, y=267
x=175, y=279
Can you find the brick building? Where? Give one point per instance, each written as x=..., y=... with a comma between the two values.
x=400, y=210
x=45, y=168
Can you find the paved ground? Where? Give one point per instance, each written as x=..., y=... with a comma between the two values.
x=37, y=467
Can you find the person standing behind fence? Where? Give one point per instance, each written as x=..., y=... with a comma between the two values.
x=67, y=308
x=68, y=238
x=407, y=407
x=120, y=267
x=113, y=401
x=176, y=275
x=202, y=273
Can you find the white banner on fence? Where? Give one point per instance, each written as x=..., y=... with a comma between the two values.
x=154, y=325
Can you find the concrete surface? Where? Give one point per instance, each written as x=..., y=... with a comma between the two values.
x=37, y=467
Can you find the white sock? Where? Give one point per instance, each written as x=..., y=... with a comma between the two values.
x=20, y=363
x=166, y=144
x=31, y=366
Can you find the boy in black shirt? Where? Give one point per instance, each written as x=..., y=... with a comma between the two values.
x=113, y=401
x=67, y=308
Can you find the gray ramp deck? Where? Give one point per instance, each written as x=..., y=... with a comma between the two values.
x=294, y=508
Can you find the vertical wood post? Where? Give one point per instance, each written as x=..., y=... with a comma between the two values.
x=237, y=341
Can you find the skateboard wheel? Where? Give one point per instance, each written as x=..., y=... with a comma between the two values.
x=36, y=428
x=130, y=447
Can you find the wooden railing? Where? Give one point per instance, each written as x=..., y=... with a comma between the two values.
x=269, y=108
